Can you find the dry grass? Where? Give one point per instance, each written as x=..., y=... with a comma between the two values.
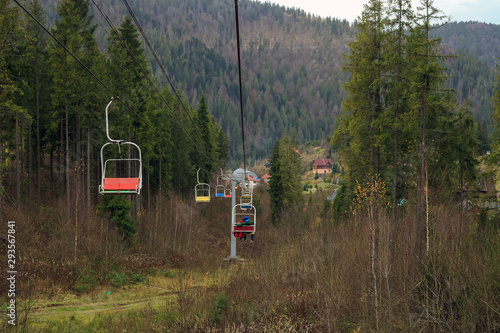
x=309, y=274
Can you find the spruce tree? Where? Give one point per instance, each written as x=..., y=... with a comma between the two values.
x=11, y=113
x=203, y=124
x=496, y=116
x=275, y=184
x=73, y=31
x=427, y=98
x=400, y=20
x=284, y=186
x=38, y=80
x=124, y=67
x=360, y=136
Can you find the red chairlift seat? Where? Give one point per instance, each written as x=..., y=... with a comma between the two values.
x=117, y=185
x=246, y=228
x=120, y=185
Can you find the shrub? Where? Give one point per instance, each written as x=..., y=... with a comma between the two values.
x=170, y=273
x=117, y=279
x=135, y=278
x=117, y=208
x=221, y=304
x=85, y=282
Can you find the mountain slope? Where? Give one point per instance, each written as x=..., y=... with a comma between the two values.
x=291, y=64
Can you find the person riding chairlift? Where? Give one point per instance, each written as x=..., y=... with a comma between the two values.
x=244, y=222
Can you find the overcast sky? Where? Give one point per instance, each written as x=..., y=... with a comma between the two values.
x=458, y=10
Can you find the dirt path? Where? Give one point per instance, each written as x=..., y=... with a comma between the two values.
x=85, y=307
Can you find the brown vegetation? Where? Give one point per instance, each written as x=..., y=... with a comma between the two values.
x=312, y=273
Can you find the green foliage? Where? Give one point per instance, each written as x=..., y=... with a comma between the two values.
x=496, y=116
x=11, y=112
x=117, y=208
x=120, y=279
x=284, y=186
x=117, y=279
x=220, y=306
x=275, y=184
x=281, y=94
x=488, y=222
x=399, y=120
x=170, y=273
x=85, y=282
x=135, y=278
x=204, y=156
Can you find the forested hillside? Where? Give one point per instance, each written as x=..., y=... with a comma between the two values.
x=292, y=63
x=476, y=47
x=54, y=93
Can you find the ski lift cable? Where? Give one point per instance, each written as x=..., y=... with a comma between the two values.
x=97, y=78
x=241, y=91
x=84, y=66
x=138, y=25
x=112, y=26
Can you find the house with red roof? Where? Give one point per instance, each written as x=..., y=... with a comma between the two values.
x=322, y=166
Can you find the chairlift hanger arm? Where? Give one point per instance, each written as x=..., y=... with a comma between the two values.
x=107, y=123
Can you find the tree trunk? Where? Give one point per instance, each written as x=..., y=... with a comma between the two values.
x=88, y=169
x=51, y=167
x=1, y=175
x=38, y=155
x=60, y=181
x=68, y=204
x=30, y=168
x=79, y=163
x=18, y=166
x=76, y=221
x=158, y=205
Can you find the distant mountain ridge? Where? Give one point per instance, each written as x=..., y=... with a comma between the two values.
x=291, y=63
x=479, y=39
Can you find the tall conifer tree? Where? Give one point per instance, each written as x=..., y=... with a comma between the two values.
x=400, y=21
x=9, y=109
x=73, y=30
x=359, y=137
x=203, y=124
x=496, y=114
x=427, y=97
x=284, y=186
x=276, y=184
x=39, y=84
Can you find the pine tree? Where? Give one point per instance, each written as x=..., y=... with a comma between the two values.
x=124, y=67
x=38, y=84
x=73, y=31
x=290, y=169
x=203, y=124
x=400, y=20
x=466, y=148
x=10, y=110
x=359, y=136
x=496, y=116
x=90, y=112
x=427, y=97
x=117, y=208
x=284, y=186
x=275, y=184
